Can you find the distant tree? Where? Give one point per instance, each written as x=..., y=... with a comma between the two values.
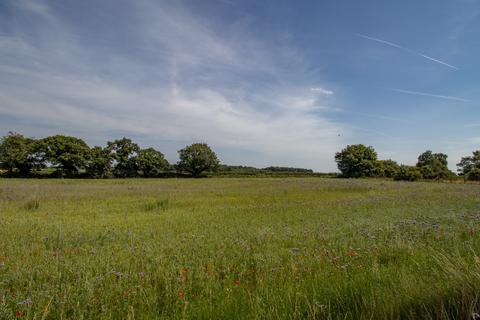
x=433, y=165
x=124, y=152
x=151, y=162
x=99, y=164
x=469, y=167
x=388, y=168
x=287, y=169
x=356, y=161
x=17, y=154
x=197, y=158
x=407, y=173
x=68, y=154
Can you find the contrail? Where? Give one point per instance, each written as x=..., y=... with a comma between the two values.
x=406, y=49
x=379, y=40
x=430, y=95
x=437, y=61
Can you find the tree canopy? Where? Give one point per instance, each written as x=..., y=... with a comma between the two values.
x=197, y=158
x=17, y=154
x=67, y=154
x=356, y=161
x=469, y=167
x=151, y=162
x=99, y=164
x=433, y=165
x=124, y=152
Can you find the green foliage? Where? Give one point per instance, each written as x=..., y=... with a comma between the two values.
x=151, y=162
x=407, y=173
x=388, y=168
x=247, y=171
x=99, y=164
x=356, y=161
x=433, y=165
x=469, y=167
x=16, y=154
x=124, y=152
x=196, y=159
x=68, y=154
x=287, y=169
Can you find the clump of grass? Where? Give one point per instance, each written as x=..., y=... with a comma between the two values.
x=156, y=205
x=32, y=204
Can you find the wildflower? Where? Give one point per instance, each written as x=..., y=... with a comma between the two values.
x=25, y=302
x=183, y=271
x=351, y=253
x=236, y=282
x=181, y=294
x=19, y=314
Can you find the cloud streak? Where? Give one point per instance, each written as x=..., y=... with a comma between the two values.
x=187, y=83
x=430, y=95
x=391, y=44
x=320, y=90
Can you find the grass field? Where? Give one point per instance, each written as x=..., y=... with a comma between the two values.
x=306, y=248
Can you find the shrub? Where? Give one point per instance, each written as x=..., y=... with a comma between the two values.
x=407, y=173
x=433, y=165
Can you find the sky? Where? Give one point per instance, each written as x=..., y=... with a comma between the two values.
x=283, y=83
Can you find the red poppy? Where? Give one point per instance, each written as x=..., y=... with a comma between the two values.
x=181, y=294
x=19, y=314
x=351, y=253
x=236, y=282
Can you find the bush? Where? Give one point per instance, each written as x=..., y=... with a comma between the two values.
x=407, y=173
x=433, y=165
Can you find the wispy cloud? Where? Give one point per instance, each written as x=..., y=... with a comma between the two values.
x=185, y=81
x=430, y=95
x=391, y=44
x=320, y=90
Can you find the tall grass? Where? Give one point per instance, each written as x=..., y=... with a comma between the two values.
x=297, y=248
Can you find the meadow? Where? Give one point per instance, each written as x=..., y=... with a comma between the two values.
x=249, y=248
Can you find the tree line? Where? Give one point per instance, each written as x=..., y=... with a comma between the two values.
x=69, y=156
x=356, y=161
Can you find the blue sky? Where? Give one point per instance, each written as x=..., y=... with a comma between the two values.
x=263, y=82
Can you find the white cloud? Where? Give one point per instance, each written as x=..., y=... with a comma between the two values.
x=321, y=91
x=184, y=82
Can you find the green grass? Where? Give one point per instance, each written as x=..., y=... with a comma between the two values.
x=296, y=248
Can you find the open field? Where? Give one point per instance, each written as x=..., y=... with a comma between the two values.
x=238, y=248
